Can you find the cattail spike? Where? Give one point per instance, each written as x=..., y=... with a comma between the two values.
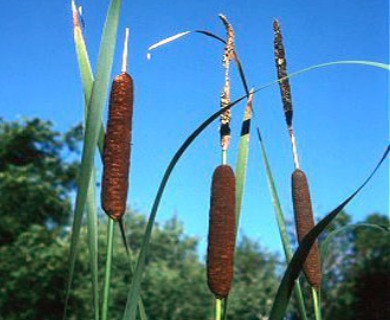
x=123, y=235
x=125, y=51
x=304, y=221
x=222, y=230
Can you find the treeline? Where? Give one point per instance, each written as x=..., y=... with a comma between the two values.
x=37, y=178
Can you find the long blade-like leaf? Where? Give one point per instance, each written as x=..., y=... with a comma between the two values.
x=295, y=266
x=92, y=220
x=242, y=160
x=93, y=125
x=86, y=74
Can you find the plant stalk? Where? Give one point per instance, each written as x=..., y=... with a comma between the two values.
x=107, y=277
x=218, y=309
x=316, y=302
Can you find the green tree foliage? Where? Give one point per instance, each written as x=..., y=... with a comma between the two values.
x=35, y=178
x=357, y=278
x=37, y=175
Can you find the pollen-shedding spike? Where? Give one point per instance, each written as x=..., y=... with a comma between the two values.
x=125, y=51
x=225, y=96
x=168, y=40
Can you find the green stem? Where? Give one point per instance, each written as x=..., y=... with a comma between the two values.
x=107, y=278
x=218, y=309
x=316, y=302
x=224, y=157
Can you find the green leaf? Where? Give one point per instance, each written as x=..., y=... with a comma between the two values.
x=295, y=266
x=242, y=160
x=324, y=248
x=93, y=126
x=92, y=219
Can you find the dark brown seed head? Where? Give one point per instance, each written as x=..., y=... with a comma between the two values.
x=222, y=225
x=281, y=66
x=304, y=222
x=117, y=146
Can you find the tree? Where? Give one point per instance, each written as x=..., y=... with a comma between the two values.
x=35, y=178
x=357, y=275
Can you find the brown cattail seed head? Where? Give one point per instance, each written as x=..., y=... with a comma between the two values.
x=222, y=229
x=304, y=222
x=117, y=146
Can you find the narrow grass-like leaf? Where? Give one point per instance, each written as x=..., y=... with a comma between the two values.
x=295, y=266
x=324, y=247
x=92, y=220
x=86, y=75
x=93, y=126
x=282, y=226
x=242, y=160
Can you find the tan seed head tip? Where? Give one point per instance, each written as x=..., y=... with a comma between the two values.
x=276, y=25
x=75, y=13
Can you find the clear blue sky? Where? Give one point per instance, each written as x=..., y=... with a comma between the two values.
x=341, y=113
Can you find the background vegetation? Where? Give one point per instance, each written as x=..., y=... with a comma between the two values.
x=37, y=177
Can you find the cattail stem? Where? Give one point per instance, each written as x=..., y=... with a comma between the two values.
x=125, y=51
x=294, y=147
x=316, y=302
x=218, y=309
x=107, y=277
x=224, y=157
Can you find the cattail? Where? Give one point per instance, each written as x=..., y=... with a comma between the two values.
x=117, y=145
x=222, y=225
x=304, y=222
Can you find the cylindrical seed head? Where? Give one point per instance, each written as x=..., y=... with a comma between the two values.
x=222, y=226
x=117, y=147
x=304, y=222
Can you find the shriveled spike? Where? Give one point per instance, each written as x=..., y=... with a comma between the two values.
x=221, y=238
x=281, y=66
x=117, y=147
x=304, y=222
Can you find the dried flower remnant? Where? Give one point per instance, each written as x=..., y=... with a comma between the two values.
x=221, y=238
x=281, y=66
x=225, y=96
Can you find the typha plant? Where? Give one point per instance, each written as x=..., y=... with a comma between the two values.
x=117, y=145
x=303, y=211
x=222, y=214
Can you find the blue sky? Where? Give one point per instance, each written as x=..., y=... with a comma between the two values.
x=341, y=113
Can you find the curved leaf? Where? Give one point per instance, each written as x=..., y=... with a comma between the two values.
x=295, y=266
x=324, y=247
